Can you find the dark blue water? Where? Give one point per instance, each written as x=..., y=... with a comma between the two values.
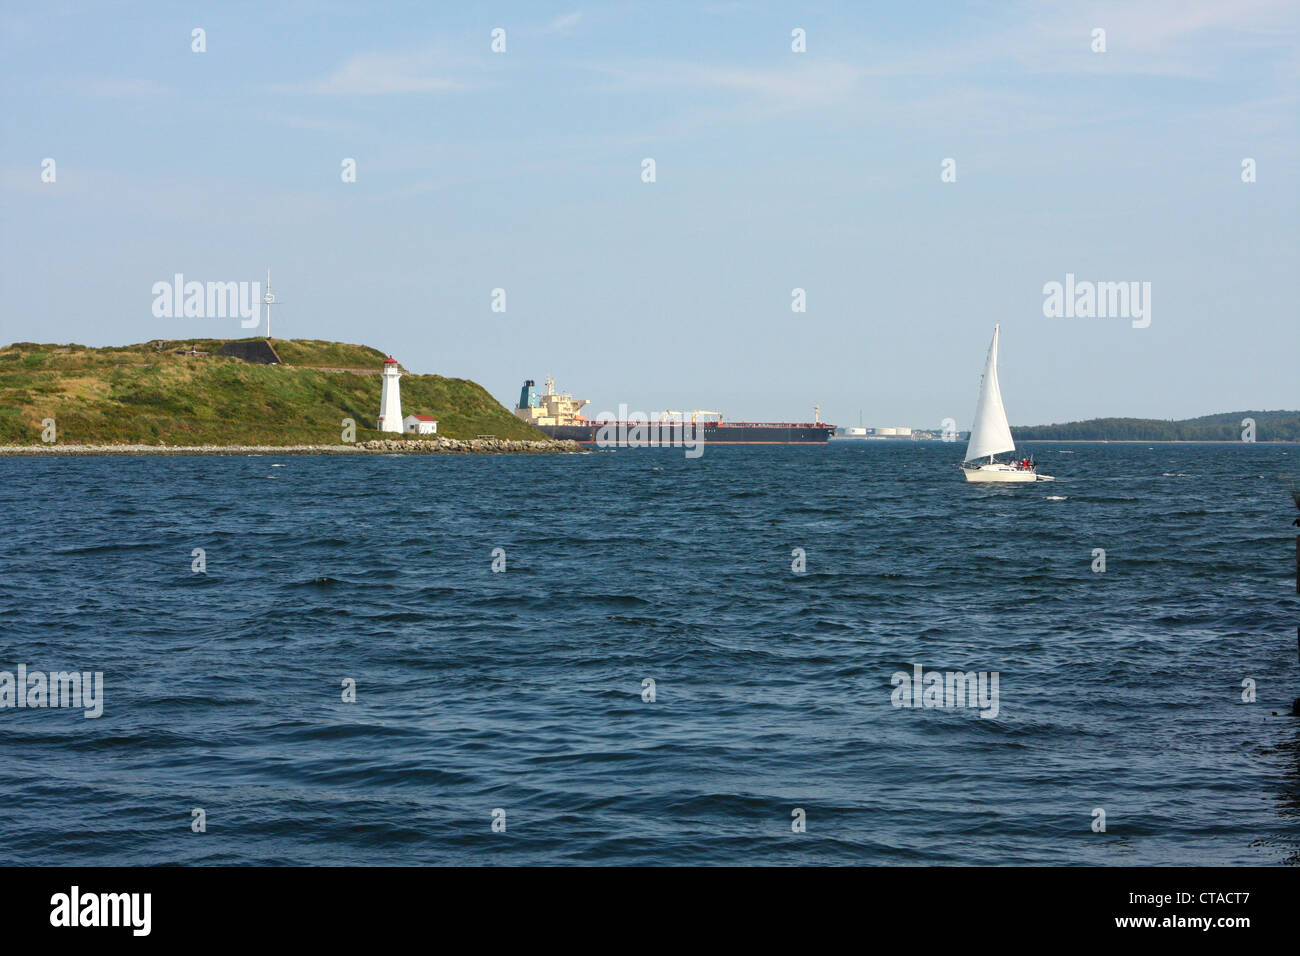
x=522, y=690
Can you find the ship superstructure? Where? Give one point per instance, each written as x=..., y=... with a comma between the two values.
x=549, y=407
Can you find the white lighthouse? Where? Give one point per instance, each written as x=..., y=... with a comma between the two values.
x=390, y=400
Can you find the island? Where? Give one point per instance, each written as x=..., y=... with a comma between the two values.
x=1270, y=426
x=218, y=396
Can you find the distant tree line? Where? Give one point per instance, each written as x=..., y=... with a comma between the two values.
x=1269, y=426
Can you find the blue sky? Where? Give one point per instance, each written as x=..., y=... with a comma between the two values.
x=774, y=170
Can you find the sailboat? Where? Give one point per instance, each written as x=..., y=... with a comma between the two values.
x=991, y=435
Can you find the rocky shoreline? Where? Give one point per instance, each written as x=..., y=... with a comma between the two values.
x=381, y=446
x=471, y=446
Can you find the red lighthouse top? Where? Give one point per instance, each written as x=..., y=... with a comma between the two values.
x=390, y=361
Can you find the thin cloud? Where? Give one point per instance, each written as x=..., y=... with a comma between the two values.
x=313, y=124
x=565, y=23
x=115, y=88
x=818, y=82
x=382, y=74
x=1187, y=38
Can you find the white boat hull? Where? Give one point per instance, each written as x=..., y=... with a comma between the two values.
x=1001, y=473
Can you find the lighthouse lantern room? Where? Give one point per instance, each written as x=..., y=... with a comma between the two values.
x=390, y=399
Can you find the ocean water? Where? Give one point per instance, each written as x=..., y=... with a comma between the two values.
x=522, y=691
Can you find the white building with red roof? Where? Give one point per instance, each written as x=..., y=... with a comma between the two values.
x=420, y=425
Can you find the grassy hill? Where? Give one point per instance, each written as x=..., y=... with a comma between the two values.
x=150, y=394
x=1269, y=426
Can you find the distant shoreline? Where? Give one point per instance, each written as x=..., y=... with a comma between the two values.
x=442, y=446
x=1147, y=441
x=835, y=440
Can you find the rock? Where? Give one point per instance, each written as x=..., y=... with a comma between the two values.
x=473, y=446
x=477, y=446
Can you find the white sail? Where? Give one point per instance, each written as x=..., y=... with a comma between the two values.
x=989, y=432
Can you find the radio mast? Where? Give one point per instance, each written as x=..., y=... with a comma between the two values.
x=269, y=300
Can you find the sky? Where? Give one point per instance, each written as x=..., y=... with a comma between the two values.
x=774, y=170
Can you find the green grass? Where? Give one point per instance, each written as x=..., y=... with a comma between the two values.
x=148, y=394
x=319, y=354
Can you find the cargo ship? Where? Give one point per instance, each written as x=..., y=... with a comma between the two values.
x=560, y=416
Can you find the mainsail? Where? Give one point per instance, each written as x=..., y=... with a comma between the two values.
x=989, y=432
